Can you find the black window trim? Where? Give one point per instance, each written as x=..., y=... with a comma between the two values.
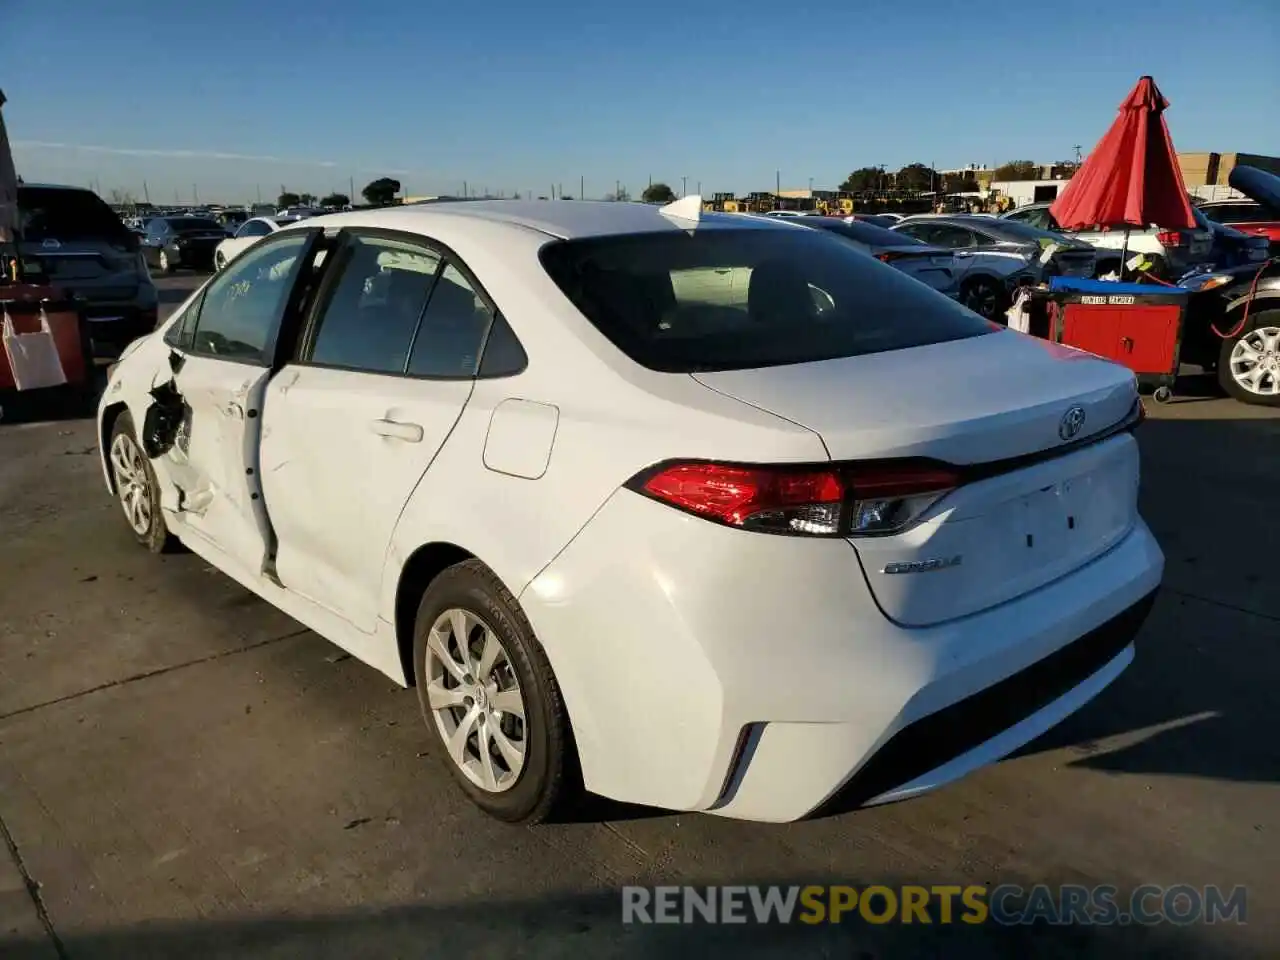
x=448, y=257
x=265, y=360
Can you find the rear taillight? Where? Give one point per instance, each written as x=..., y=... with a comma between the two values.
x=1171, y=238
x=838, y=500
x=889, y=256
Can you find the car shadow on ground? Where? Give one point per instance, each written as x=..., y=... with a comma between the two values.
x=591, y=925
x=1199, y=698
x=55, y=404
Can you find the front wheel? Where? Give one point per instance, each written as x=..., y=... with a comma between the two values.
x=1249, y=364
x=166, y=266
x=487, y=690
x=136, y=486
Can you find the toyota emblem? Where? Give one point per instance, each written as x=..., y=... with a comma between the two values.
x=1072, y=423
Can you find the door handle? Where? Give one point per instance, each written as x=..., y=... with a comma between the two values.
x=408, y=432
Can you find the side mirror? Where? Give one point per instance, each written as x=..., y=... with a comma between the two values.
x=176, y=361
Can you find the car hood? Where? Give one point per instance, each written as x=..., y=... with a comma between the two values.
x=1256, y=185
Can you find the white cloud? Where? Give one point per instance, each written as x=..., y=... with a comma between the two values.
x=170, y=154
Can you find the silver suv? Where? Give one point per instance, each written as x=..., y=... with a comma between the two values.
x=1176, y=251
x=72, y=238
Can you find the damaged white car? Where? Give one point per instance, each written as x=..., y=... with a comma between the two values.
x=698, y=511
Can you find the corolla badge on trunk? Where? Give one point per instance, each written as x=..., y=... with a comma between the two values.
x=922, y=566
x=1072, y=423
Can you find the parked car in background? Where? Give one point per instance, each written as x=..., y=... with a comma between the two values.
x=875, y=219
x=249, y=233
x=997, y=257
x=72, y=237
x=232, y=220
x=1175, y=252
x=1232, y=327
x=1231, y=247
x=933, y=266
x=1259, y=214
x=182, y=243
x=502, y=457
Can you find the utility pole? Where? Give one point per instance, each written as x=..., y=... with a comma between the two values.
x=699, y=188
x=777, y=185
x=684, y=186
x=1077, y=150
x=195, y=197
x=582, y=192
x=617, y=189
x=146, y=194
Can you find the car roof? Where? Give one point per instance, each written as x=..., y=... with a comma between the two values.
x=564, y=219
x=955, y=220
x=54, y=186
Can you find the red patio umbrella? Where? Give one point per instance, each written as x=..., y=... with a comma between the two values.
x=1131, y=178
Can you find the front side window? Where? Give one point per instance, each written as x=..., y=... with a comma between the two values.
x=254, y=228
x=369, y=321
x=808, y=297
x=242, y=306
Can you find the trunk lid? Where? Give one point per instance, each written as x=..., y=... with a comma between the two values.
x=933, y=266
x=982, y=401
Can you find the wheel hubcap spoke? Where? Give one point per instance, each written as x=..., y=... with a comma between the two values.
x=1255, y=361
x=475, y=700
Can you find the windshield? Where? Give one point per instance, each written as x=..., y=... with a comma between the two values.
x=739, y=299
x=51, y=213
x=194, y=225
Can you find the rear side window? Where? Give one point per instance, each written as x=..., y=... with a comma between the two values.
x=369, y=322
x=794, y=296
x=1237, y=213
x=452, y=331
x=52, y=213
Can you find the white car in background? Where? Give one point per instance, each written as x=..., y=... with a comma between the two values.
x=246, y=235
x=840, y=541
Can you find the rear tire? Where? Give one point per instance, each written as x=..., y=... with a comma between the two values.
x=530, y=769
x=1249, y=363
x=985, y=297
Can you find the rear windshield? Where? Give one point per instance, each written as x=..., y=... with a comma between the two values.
x=864, y=232
x=51, y=213
x=194, y=225
x=1015, y=230
x=738, y=299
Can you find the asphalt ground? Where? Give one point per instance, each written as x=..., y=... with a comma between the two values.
x=186, y=772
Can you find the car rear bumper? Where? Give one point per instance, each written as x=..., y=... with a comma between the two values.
x=753, y=676
x=112, y=327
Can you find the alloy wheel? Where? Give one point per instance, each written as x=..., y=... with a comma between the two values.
x=133, y=486
x=164, y=260
x=475, y=700
x=982, y=299
x=1255, y=361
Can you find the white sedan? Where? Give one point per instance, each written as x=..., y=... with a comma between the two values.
x=705, y=512
x=248, y=233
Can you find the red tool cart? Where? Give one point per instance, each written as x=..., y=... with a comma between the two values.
x=1136, y=324
x=27, y=309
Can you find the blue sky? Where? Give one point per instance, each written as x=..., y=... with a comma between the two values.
x=240, y=96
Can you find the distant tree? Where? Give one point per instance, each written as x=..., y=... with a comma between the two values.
x=288, y=199
x=960, y=183
x=121, y=198
x=862, y=180
x=1017, y=170
x=335, y=200
x=381, y=192
x=915, y=177
x=622, y=195
x=306, y=199
x=658, y=193
x=563, y=197
x=516, y=195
